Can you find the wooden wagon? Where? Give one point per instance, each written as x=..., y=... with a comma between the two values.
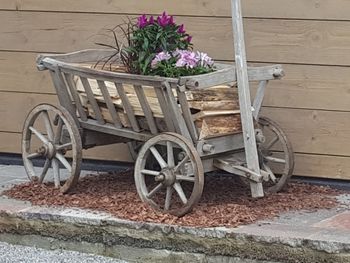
x=171, y=155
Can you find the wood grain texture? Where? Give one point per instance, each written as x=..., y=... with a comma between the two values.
x=267, y=40
x=300, y=9
x=314, y=131
x=304, y=86
x=324, y=166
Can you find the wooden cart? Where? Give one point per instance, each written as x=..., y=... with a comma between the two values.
x=171, y=162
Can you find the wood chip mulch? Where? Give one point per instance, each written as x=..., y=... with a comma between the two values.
x=225, y=201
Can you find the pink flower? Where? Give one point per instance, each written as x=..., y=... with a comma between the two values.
x=186, y=59
x=204, y=59
x=142, y=21
x=160, y=57
x=151, y=20
x=165, y=20
x=181, y=29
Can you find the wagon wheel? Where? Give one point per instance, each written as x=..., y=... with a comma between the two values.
x=48, y=133
x=176, y=185
x=275, y=155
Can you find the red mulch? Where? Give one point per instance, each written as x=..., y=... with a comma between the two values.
x=225, y=201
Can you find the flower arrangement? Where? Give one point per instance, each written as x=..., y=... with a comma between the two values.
x=159, y=46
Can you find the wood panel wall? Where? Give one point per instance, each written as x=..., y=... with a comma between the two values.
x=311, y=38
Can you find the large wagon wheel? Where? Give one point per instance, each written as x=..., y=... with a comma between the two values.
x=176, y=185
x=48, y=133
x=275, y=154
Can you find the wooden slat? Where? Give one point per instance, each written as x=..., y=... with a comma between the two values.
x=127, y=107
x=301, y=9
x=165, y=109
x=187, y=116
x=74, y=93
x=92, y=100
x=280, y=41
x=146, y=109
x=109, y=103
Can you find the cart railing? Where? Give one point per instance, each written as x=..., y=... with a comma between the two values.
x=170, y=93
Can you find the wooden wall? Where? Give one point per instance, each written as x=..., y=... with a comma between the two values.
x=311, y=38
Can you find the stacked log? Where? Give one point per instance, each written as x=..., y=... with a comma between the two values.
x=215, y=110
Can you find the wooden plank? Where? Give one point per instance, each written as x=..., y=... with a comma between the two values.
x=146, y=109
x=277, y=40
x=127, y=107
x=14, y=108
x=313, y=131
x=74, y=93
x=301, y=9
x=92, y=100
x=165, y=109
x=111, y=108
x=244, y=97
x=304, y=86
x=8, y=5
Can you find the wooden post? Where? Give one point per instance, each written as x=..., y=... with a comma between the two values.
x=244, y=97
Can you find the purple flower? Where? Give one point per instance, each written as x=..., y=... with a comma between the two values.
x=181, y=29
x=160, y=57
x=186, y=59
x=189, y=39
x=151, y=20
x=142, y=21
x=165, y=20
x=204, y=59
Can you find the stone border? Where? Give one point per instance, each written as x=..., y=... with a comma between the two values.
x=100, y=233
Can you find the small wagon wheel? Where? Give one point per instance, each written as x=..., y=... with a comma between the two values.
x=176, y=184
x=48, y=133
x=276, y=155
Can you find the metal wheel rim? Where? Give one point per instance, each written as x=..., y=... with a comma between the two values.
x=287, y=151
x=198, y=177
x=55, y=161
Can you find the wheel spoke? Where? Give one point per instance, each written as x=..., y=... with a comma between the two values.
x=271, y=174
x=56, y=173
x=58, y=131
x=275, y=160
x=33, y=155
x=170, y=153
x=180, y=177
x=155, y=190
x=39, y=135
x=64, y=161
x=180, y=192
x=271, y=143
x=158, y=157
x=63, y=146
x=48, y=125
x=150, y=172
x=169, y=193
x=44, y=171
x=180, y=164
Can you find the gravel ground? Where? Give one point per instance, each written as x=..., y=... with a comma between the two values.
x=21, y=254
x=225, y=201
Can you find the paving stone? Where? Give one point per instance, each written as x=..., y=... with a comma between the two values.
x=340, y=221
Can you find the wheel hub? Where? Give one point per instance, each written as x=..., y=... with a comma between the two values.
x=166, y=177
x=47, y=150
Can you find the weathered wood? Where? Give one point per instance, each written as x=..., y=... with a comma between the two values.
x=266, y=38
x=298, y=9
x=111, y=108
x=244, y=97
x=127, y=107
x=146, y=109
x=165, y=109
x=92, y=99
x=259, y=97
x=187, y=115
x=73, y=92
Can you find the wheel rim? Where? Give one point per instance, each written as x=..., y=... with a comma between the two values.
x=276, y=155
x=168, y=186
x=42, y=139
